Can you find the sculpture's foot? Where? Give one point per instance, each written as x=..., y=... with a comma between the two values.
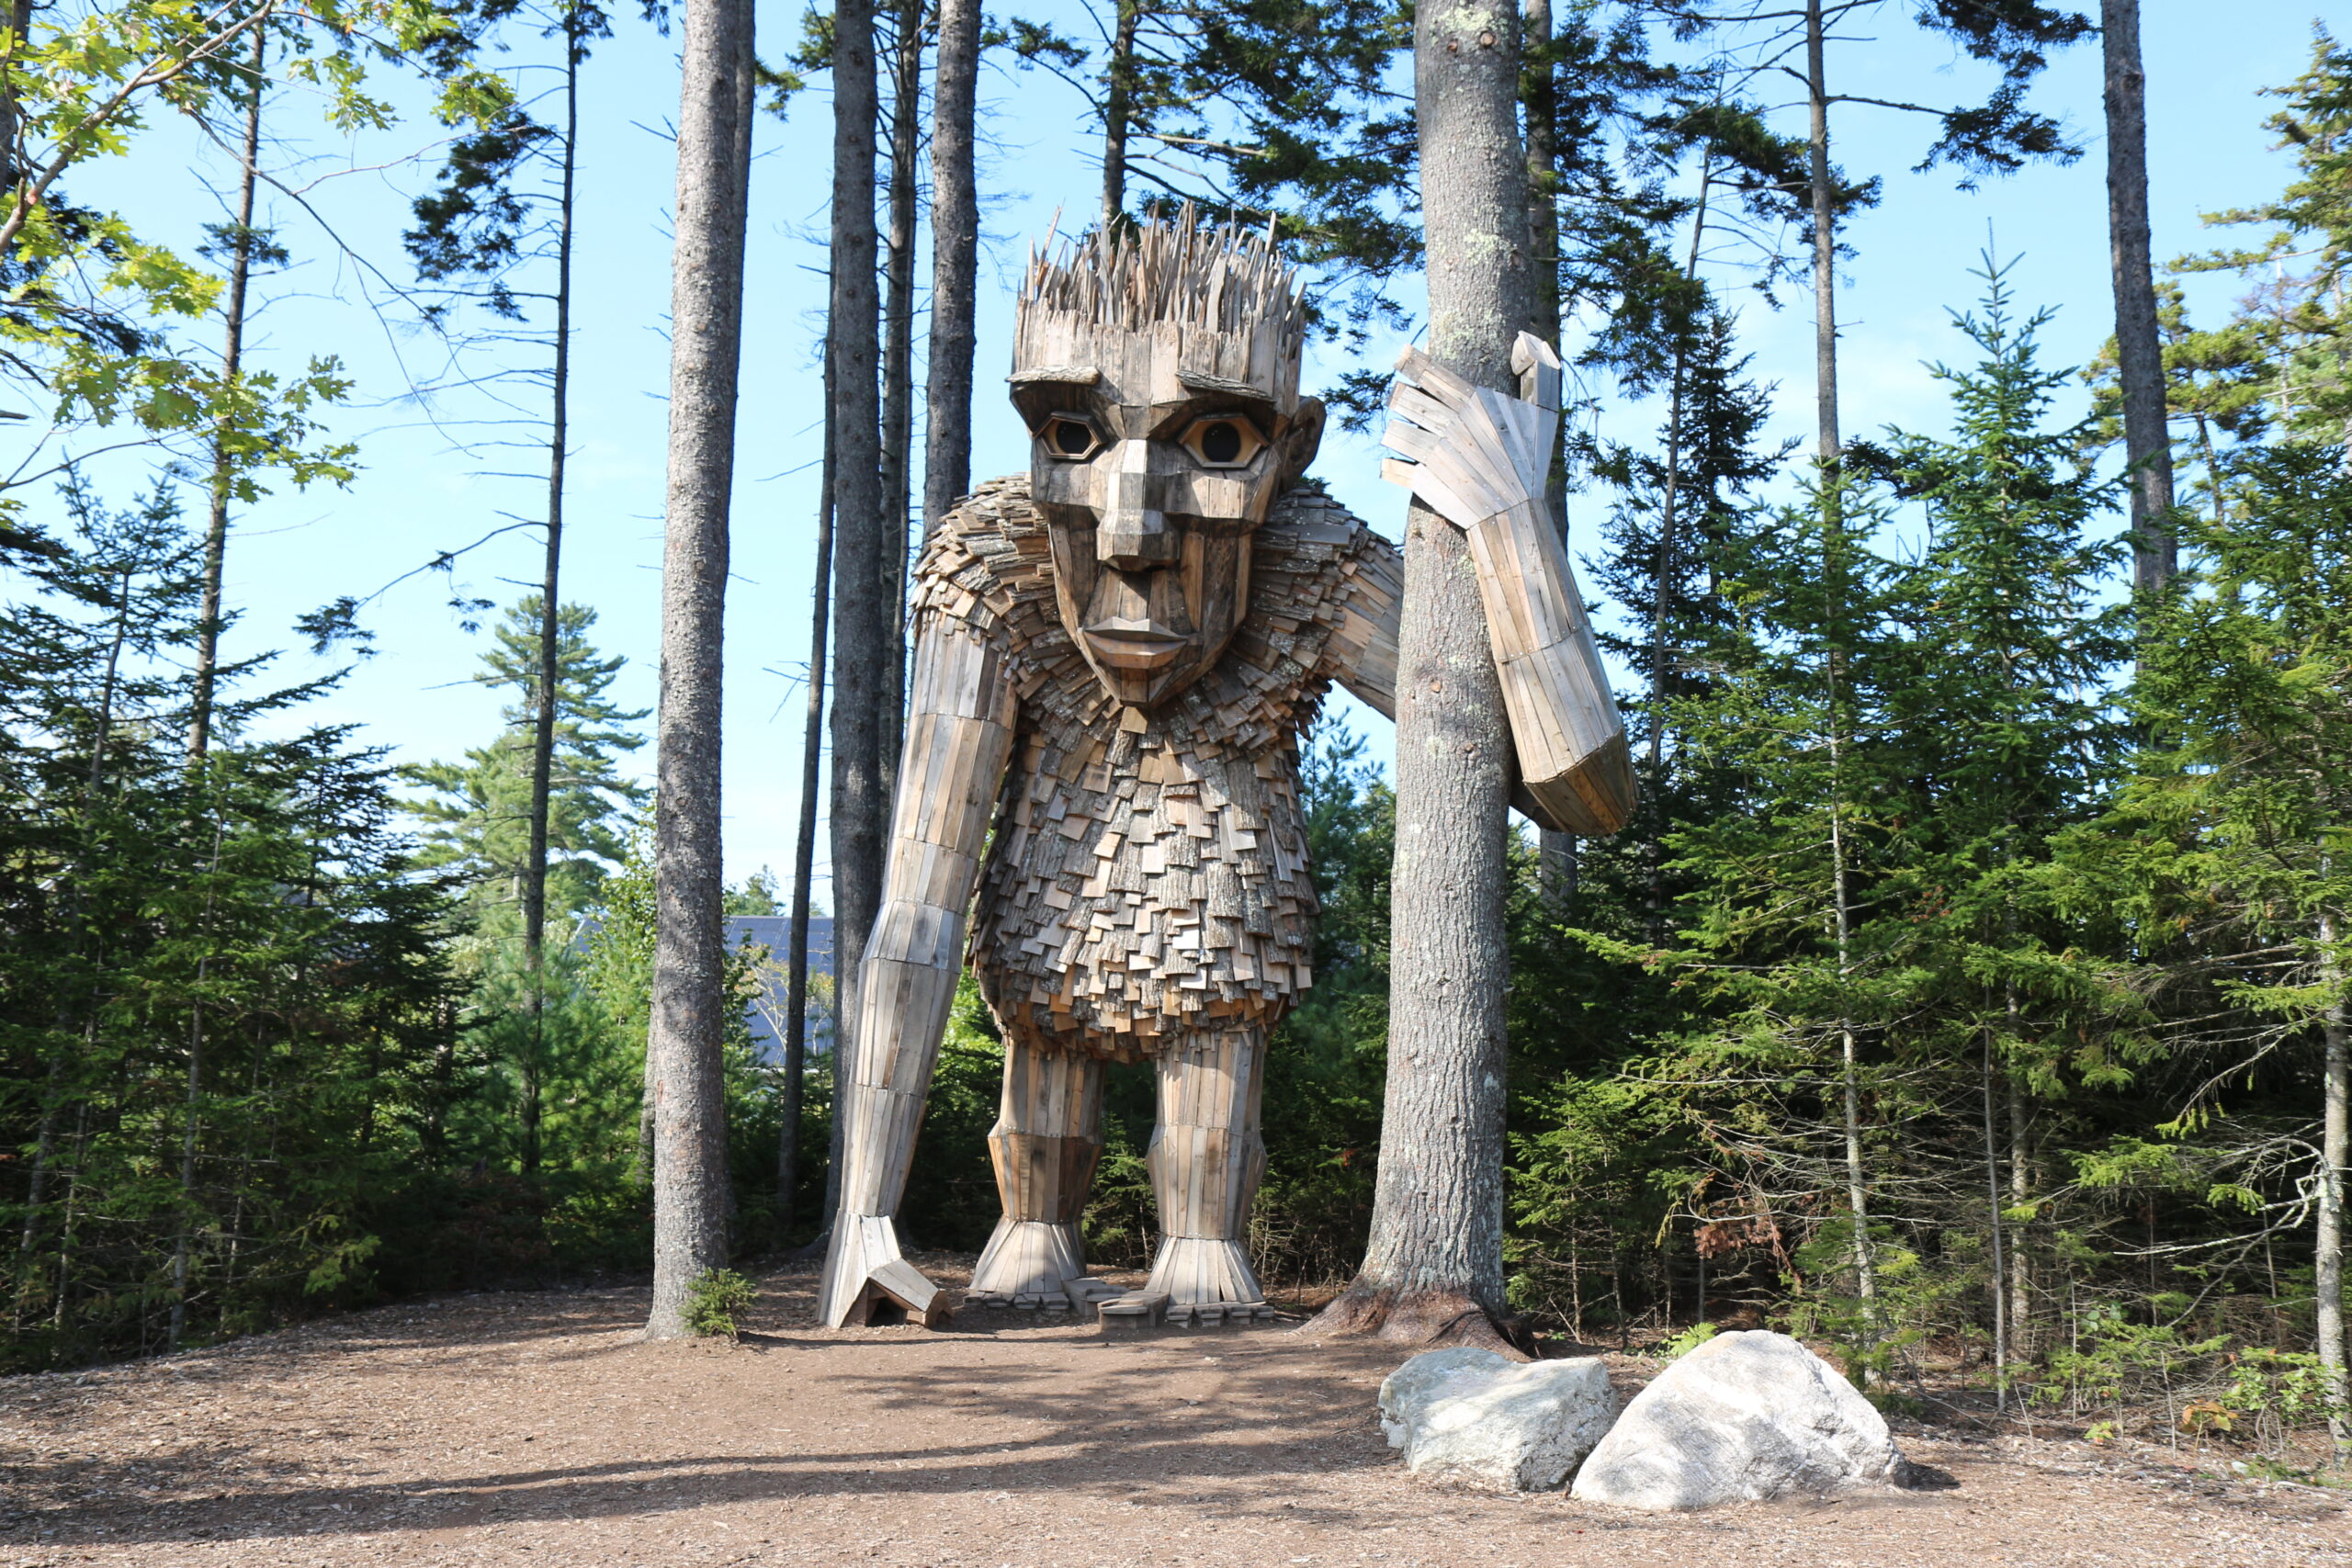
x=866, y=1281
x=1206, y=1280
x=1025, y=1265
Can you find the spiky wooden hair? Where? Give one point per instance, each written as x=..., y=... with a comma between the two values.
x=1206, y=276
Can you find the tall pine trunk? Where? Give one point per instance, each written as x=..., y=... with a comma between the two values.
x=1433, y=1270
x=2335, y=1156
x=1555, y=848
x=954, y=261
x=690, y=1198
x=232, y=354
x=1118, y=109
x=2139, y=350
x=1828, y=448
x=861, y=635
x=804, y=852
x=543, y=715
x=899, y=377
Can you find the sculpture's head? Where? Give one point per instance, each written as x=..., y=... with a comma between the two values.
x=1158, y=371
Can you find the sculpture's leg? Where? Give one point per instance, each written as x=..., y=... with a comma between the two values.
x=1047, y=1138
x=1206, y=1158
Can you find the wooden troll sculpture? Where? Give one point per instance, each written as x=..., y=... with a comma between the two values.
x=1115, y=656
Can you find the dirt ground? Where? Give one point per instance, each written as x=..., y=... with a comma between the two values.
x=538, y=1429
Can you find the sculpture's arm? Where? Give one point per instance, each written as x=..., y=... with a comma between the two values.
x=959, y=738
x=1480, y=459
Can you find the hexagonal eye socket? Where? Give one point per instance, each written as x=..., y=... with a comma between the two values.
x=1069, y=437
x=1224, y=441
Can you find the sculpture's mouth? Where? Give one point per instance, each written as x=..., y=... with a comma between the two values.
x=1125, y=644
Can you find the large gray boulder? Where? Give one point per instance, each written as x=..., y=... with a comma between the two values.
x=1476, y=1419
x=1742, y=1417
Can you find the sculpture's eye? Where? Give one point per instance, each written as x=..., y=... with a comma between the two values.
x=1071, y=436
x=1224, y=441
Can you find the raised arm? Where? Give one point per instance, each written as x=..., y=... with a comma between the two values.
x=959, y=737
x=1480, y=460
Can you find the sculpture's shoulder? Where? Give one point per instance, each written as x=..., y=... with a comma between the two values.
x=1320, y=545
x=988, y=563
x=1318, y=577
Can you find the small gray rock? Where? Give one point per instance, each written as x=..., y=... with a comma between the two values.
x=1742, y=1417
x=1476, y=1418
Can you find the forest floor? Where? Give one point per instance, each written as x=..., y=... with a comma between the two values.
x=537, y=1428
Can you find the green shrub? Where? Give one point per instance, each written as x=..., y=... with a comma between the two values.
x=716, y=1298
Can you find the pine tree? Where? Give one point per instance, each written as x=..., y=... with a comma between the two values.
x=483, y=829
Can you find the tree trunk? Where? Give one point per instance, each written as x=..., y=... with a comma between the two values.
x=2335, y=1154
x=1555, y=849
x=689, y=1196
x=1999, y=1276
x=232, y=354
x=543, y=715
x=1118, y=109
x=1662, y=588
x=2022, y=1338
x=1435, y=1266
x=2138, y=351
x=955, y=261
x=804, y=853
x=183, y=1228
x=860, y=808
x=898, y=381
x=1828, y=444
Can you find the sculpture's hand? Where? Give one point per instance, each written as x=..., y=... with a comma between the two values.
x=1473, y=454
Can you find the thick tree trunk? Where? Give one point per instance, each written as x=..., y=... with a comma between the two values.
x=804, y=854
x=1118, y=109
x=1434, y=1267
x=861, y=631
x=898, y=379
x=232, y=354
x=2139, y=350
x=954, y=261
x=689, y=1196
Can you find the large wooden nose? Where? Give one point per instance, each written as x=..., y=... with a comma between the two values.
x=1132, y=536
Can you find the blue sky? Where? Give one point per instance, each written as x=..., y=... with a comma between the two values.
x=436, y=476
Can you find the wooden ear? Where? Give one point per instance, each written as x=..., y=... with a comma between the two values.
x=1302, y=440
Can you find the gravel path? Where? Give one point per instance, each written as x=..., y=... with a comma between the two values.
x=536, y=1430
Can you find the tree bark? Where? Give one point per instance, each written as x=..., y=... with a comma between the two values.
x=860, y=808
x=954, y=261
x=1555, y=848
x=1828, y=448
x=804, y=850
x=1435, y=1266
x=232, y=354
x=898, y=379
x=1828, y=444
x=1999, y=1278
x=1118, y=109
x=689, y=1196
x=535, y=871
x=2138, y=351
x=2335, y=1156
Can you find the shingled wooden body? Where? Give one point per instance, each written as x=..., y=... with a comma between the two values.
x=1116, y=654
